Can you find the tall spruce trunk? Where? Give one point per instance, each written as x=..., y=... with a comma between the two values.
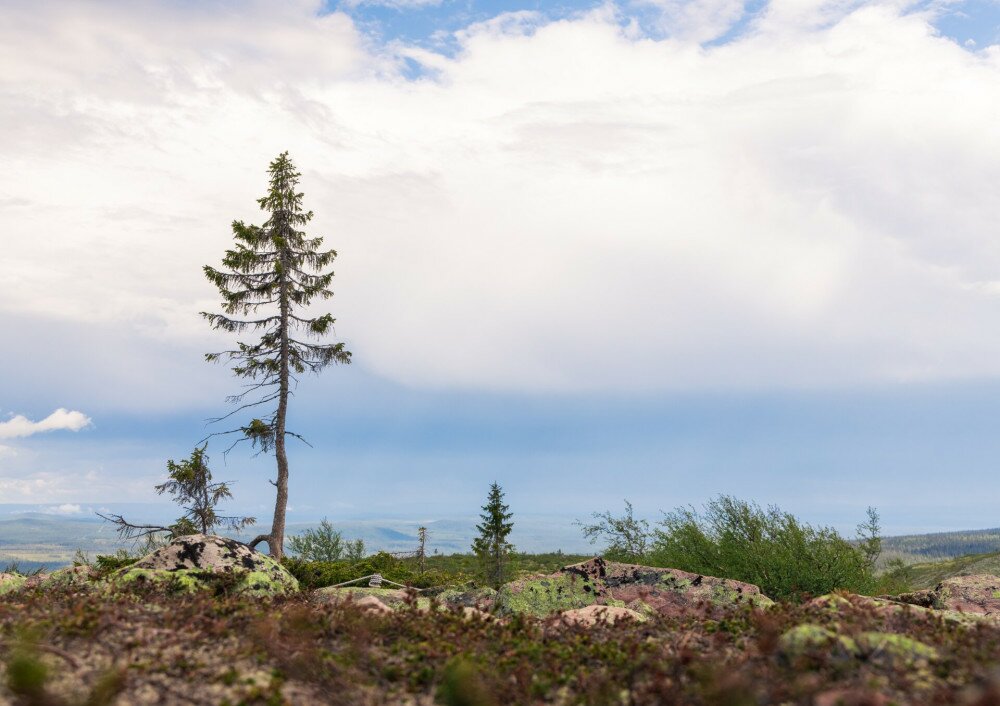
x=276, y=544
x=259, y=273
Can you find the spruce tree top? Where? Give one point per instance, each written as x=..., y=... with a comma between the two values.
x=269, y=277
x=496, y=518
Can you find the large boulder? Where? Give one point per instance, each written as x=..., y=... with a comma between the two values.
x=977, y=595
x=645, y=589
x=198, y=561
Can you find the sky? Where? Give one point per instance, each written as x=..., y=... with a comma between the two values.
x=653, y=250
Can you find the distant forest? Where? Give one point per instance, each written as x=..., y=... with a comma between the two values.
x=942, y=545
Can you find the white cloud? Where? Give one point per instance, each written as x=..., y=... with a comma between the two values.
x=67, y=509
x=562, y=206
x=697, y=20
x=20, y=426
x=395, y=4
x=7, y=451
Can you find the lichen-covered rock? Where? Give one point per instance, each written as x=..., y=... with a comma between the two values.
x=468, y=597
x=199, y=561
x=643, y=589
x=593, y=614
x=895, y=614
x=978, y=595
x=895, y=648
x=811, y=639
x=11, y=582
x=664, y=591
x=542, y=595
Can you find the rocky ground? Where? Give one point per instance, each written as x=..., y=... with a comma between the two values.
x=228, y=628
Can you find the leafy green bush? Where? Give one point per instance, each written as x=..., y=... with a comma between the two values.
x=627, y=538
x=786, y=558
x=325, y=544
x=317, y=574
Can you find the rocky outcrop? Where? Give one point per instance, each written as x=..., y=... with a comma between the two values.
x=975, y=595
x=197, y=562
x=644, y=589
x=895, y=613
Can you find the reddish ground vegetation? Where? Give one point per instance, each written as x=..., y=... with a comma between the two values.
x=61, y=647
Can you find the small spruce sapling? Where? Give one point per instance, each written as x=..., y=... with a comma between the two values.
x=491, y=547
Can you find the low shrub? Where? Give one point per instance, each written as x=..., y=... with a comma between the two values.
x=734, y=539
x=324, y=543
x=788, y=559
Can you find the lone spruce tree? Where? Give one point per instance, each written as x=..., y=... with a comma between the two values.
x=270, y=277
x=491, y=546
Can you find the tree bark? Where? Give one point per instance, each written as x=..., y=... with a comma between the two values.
x=276, y=543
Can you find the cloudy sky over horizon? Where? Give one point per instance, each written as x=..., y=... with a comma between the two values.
x=654, y=249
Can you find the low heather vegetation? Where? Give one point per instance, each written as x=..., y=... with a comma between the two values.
x=81, y=648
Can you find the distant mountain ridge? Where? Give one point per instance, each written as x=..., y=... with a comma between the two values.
x=35, y=539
